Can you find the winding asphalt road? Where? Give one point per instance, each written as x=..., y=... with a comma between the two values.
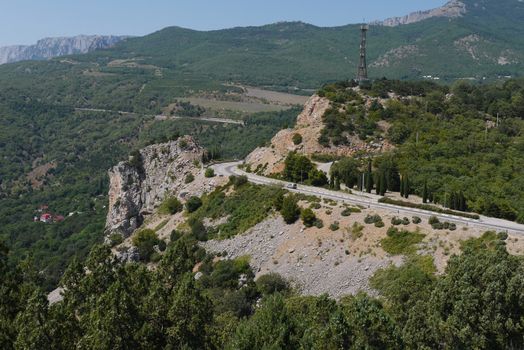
x=370, y=201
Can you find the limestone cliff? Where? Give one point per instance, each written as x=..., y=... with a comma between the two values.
x=138, y=186
x=452, y=9
x=55, y=47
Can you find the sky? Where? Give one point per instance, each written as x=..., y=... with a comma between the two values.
x=26, y=21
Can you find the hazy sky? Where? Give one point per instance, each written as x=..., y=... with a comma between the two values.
x=25, y=21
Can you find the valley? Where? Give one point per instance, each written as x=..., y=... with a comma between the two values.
x=238, y=189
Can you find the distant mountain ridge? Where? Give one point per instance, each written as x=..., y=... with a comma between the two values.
x=54, y=47
x=452, y=9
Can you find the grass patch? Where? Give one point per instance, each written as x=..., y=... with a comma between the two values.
x=247, y=206
x=161, y=225
x=401, y=242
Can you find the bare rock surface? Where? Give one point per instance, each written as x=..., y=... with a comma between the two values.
x=136, y=191
x=54, y=47
x=451, y=9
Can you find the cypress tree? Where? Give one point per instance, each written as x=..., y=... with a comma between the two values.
x=369, y=178
x=337, y=184
x=425, y=192
x=406, y=187
x=401, y=186
x=383, y=184
x=378, y=181
x=332, y=182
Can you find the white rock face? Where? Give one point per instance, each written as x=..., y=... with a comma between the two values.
x=452, y=9
x=54, y=47
x=135, y=192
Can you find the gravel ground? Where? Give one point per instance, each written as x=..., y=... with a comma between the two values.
x=315, y=262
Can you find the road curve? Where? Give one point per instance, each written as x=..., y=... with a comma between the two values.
x=371, y=201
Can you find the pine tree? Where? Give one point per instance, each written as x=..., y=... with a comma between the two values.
x=32, y=324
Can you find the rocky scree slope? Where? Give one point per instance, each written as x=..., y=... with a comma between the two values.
x=55, y=47
x=137, y=187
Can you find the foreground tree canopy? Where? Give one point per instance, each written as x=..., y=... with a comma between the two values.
x=477, y=304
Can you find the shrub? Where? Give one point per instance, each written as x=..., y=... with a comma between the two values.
x=193, y=204
x=297, y=139
x=145, y=240
x=371, y=219
x=379, y=224
x=175, y=235
x=334, y=226
x=401, y=241
x=356, y=230
x=209, y=172
x=189, y=178
x=346, y=212
x=198, y=230
x=238, y=181
x=396, y=221
x=315, y=206
x=271, y=283
x=405, y=221
x=308, y=217
x=290, y=210
x=115, y=239
x=416, y=220
x=170, y=205
x=433, y=220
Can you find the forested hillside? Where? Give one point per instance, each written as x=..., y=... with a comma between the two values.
x=459, y=146
x=476, y=304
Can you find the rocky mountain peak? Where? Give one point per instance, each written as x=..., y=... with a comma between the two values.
x=452, y=9
x=54, y=47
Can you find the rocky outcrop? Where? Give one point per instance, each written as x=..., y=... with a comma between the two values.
x=55, y=47
x=452, y=9
x=138, y=186
x=270, y=160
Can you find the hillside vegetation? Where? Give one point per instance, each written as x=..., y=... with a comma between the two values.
x=460, y=146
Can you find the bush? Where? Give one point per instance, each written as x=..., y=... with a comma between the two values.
x=319, y=223
x=238, y=181
x=198, y=230
x=334, y=226
x=315, y=205
x=297, y=139
x=405, y=221
x=433, y=220
x=416, y=220
x=145, y=240
x=189, y=178
x=371, y=219
x=379, y=224
x=271, y=283
x=170, y=205
x=396, y=221
x=115, y=239
x=401, y=241
x=193, y=204
x=308, y=217
x=290, y=210
x=175, y=235
x=346, y=212
x=209, y=172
